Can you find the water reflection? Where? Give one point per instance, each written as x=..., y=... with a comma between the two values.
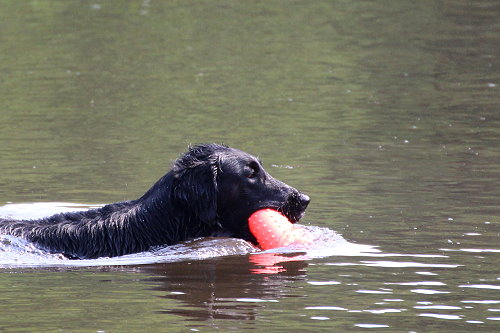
x=227, y=288
x=273, y=263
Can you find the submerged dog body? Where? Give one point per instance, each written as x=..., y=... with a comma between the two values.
x=210, y=191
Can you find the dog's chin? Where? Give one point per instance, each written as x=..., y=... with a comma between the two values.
x=296, y=218
x=293, y=217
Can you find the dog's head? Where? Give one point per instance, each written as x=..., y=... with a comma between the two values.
x=222, y=187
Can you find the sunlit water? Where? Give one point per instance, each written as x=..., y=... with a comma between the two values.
x=410, y=286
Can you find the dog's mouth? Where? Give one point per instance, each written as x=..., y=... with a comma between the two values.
x=293, y=211
x=288, y=212
x=295, y=206
x=292, y=216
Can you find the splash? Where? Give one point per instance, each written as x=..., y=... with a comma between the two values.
x=17, y=252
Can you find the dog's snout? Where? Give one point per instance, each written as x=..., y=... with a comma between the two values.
x=304, y=200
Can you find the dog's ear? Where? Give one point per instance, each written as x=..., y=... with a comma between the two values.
x=195, y=186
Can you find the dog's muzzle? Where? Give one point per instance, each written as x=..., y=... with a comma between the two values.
x=295, y=206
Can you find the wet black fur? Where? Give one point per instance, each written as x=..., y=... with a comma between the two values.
x=211, y=190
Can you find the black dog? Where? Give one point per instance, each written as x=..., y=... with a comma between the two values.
x=210, y=191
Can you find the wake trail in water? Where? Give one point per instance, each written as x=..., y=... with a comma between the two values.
x=17, y=252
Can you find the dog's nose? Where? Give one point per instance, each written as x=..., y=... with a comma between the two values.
x=304, y=200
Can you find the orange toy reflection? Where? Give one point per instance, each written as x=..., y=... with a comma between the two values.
x=271, y=263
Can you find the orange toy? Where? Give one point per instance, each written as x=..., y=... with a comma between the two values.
x=272, y=230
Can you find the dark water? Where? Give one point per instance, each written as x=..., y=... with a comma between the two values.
x=385, y=113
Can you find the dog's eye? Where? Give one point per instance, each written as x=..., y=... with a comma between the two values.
x=254, y=170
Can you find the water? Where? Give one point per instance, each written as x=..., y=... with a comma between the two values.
x=386, y=114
